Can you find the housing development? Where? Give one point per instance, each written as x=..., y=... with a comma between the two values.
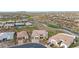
x=39, y=29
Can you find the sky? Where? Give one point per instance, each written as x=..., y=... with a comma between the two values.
x=39, y=5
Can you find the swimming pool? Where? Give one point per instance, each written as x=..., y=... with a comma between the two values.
x=30, y=45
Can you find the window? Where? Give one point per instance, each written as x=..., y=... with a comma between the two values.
x=36, y=38
x=41, y=37
x=52, y=45
x=59, y=42
x=23, y=37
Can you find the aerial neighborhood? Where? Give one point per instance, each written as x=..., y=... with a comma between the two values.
x=52, y=30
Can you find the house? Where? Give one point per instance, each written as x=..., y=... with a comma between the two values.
x=23, y=17
x=24, y=20
x=1, y=25
x=28, y=23
x=19, y=24
x=38, y=35
x=22, y=37
x=61, y=40
x=6, y=36
x=0, y=17
x=9, y=25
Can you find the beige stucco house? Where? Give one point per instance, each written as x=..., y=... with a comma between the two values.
x=61, y=40
x=38, y=35
x=22, y=37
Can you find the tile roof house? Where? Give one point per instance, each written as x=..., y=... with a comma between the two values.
x=38, y=35
x=22, y=37
x=61, y=40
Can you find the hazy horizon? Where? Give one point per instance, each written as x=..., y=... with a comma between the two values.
x=38, y=5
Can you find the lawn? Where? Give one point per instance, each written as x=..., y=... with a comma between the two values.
x=53, y=25
x=7, y=20
x=54, y=32
x=51, y=33
x=76, y=44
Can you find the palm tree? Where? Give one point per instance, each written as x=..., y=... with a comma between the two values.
x=15, y=37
